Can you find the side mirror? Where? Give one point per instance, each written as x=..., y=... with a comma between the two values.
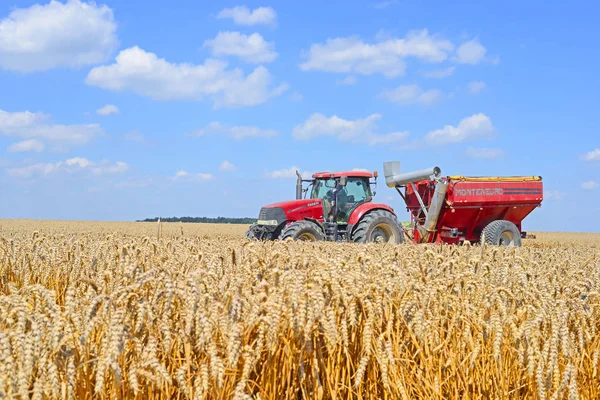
x=343, y=180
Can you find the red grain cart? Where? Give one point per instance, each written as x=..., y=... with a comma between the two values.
x=456, y=208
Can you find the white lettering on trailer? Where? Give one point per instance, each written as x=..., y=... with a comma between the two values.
x=478, y=192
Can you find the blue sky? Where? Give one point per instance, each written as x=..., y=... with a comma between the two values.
x=124, y=110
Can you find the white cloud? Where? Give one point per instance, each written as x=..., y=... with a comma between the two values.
x=107, y=110
x=203, y=177
x=471, y=52
x=252, y=48
x=134, y=136
x=227, y=166
x=109, y=168
x=296, y=96
x=241, y=15
x=554, y=195
x=234, y=132
x=439, y=73
x=476, y=87
x=412, y=94
x=484, y=152
x=288, y=173
x=357, y=131
x=386, y=4
x=590, y=185
x=29, y=125
x=79, y=162
x=33, y=145
x=593, y=155
x=71, y=34
x=477, y=126
x=181, y=174
x=70, y=165
x=142, y=72
x=347, y=81
x=195, y=177
x=386, y=56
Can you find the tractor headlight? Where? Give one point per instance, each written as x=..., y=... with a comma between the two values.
x=267, y=222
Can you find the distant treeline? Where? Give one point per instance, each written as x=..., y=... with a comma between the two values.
x=203, y=220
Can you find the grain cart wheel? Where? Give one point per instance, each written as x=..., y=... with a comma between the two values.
x=501, y=233
x=378, y=226
x=302, y=230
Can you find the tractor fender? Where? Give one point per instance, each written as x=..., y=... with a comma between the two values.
x=316, y=222
x=361, y=210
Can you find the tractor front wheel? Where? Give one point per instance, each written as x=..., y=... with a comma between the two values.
x=378, y=226
x=302, y=230
x=501, y=233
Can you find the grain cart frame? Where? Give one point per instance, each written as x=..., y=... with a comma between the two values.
x=335, y=206
x=453, y=209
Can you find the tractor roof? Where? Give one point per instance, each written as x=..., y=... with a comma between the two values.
x=353, y=174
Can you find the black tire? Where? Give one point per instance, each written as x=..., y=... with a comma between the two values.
x=378, y=226
x=302, y=230
x=501, y=233
x=250, y=233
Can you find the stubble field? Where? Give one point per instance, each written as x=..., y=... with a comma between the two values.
x=108, y=310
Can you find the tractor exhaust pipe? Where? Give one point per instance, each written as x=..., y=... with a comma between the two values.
x=393, y=177
x=298, y=186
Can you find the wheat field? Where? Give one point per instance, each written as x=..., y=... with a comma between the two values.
x=108, y=310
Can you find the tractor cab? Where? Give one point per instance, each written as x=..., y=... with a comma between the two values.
x=340, y=193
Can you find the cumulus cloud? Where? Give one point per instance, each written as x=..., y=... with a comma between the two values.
x=234, y=132
x=70, y=165
x=296, y=96
x=241, y=15
x=385, y=4
x=484, y=152
x=250, y=48
x=108, y=109
x=593, y=155
x=590, y=185
x=386, y=56
x=227, y=166
x=412, y=94
x=477, y=126
x=471, y=52
x=554, y=195
x=288, y=173
x=32, y=145
x=192, y=177
x=136, y=70
x=30, y=125
x=71, y=34
x=439, y=73
x=347, y=81
x=356, y=131
x=134, y=136
x=476, y=87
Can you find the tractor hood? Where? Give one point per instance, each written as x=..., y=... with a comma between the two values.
x=293, y=210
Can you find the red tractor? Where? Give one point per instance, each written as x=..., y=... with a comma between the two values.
x=336, y=206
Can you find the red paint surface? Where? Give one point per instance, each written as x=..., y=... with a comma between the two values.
x=296, y=210
x=349, y=174
x=364, y=208
x=471, y=205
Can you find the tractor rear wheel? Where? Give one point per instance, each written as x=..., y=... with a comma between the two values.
x=378, y=226
x=302, y=230
x=501, y=233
